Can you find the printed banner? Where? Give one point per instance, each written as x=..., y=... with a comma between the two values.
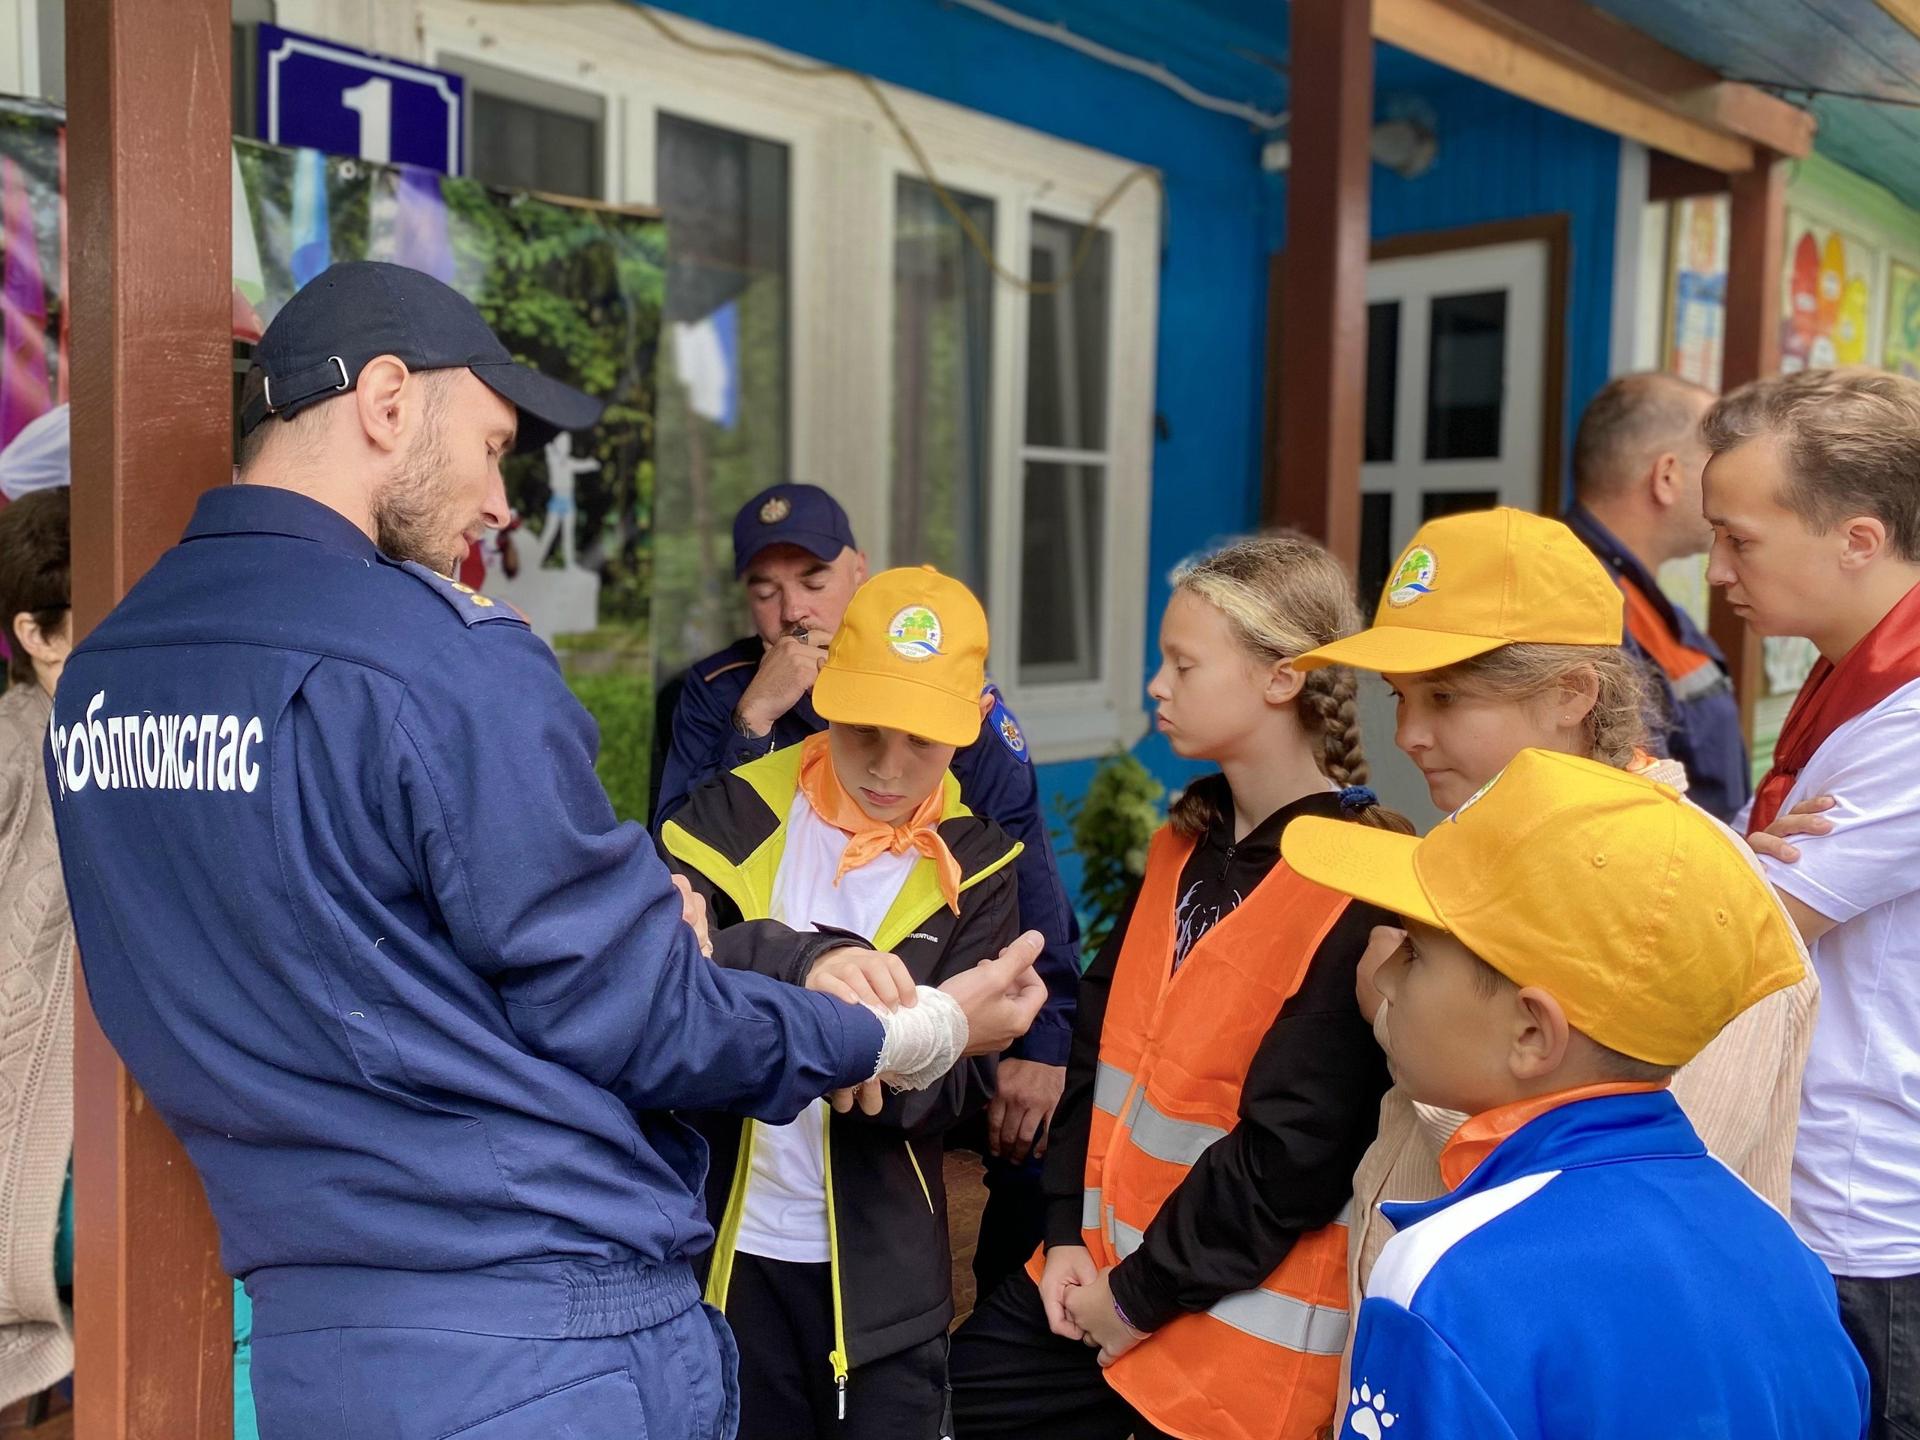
x=1827, y=298
x=1902, y=350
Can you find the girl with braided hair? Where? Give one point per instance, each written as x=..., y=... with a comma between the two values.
x=1222, y=1085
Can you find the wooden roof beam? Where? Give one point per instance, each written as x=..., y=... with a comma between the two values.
x=1610, y=46
x=1477, y=39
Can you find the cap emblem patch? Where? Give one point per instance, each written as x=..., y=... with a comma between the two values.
x=1414, y=577
x=915, y=633
x=775, y=510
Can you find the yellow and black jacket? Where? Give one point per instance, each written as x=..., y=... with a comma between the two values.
x=886, y=1199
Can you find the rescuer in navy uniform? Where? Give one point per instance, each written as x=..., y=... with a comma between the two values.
x=357, y=914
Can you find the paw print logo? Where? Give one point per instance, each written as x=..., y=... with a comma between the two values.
x=1370, y=1418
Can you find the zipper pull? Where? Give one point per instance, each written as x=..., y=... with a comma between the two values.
x=839, y=1363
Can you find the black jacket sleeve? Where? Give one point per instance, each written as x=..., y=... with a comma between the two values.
x=765, y=947
x=1064, y=1177
x=1308, y=1112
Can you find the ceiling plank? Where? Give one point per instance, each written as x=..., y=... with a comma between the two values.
x=1491, y=49
x=1612, y=47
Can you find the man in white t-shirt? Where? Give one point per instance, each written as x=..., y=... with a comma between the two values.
x=1813, y=491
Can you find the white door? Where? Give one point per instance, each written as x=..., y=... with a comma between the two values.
x=1456, y=367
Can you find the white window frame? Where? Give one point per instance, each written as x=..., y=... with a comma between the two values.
x=20, y=47
x=843, y=160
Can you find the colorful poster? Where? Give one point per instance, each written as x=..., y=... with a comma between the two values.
x=1697, y=299
x=1827, y=298
x=1901, y=353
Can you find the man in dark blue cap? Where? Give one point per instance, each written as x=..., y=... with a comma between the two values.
x=377, y=950
x=794, y=549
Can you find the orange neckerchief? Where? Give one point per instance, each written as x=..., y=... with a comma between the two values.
x=1476, y=1139
x=868, y=837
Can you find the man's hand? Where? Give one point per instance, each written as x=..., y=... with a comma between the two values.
x=1068, y=1267
x=1023, y=1107
x=863, y=977
x=787, y=671
x=693, y=910
x=1090, y=1306
x=1806, y=818
x=1001, y=996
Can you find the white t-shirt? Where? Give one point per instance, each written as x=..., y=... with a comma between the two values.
x=785, y=1213
x=1856, y=1166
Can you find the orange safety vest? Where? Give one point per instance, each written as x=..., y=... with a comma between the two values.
x=1174, y=1054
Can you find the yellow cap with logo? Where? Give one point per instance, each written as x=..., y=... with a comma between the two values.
x=1638, y=911
x=1475, y=582
x=910, y=654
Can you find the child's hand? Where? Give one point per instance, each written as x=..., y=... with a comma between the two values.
x=1001, y=996
x=1091, y=1307
x=1068, y=1266
x=1806, y=818
x=863, y=977
x=693, y=910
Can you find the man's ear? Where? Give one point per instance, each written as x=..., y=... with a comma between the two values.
x=1540, y=1035
x=986, y=703
x=383, y=399
x=1284, y=683
x=859, y=568
x=1663, y=480
x=1863, y=539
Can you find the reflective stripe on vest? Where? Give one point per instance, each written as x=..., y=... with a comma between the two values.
x=1110, y=1086
x=1178, y=1142
x=1283, y=1320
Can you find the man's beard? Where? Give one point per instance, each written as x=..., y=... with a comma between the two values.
x=411, y=519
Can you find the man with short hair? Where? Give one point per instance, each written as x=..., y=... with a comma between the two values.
x=1813, y=491
x=1636, y=476
x=795, y=552
x=359, y=918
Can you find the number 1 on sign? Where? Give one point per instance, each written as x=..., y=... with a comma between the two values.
x=373, y=102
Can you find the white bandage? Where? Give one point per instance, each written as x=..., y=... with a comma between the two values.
x=923, y=1042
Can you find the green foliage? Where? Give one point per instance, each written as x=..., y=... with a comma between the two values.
x=1110, y=826
x=622, y=706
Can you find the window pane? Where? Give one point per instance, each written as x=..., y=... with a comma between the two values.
x=1383, y=378
x=1466, y=376
x=1067, y=337
x=721, y=413
x=1062, y=551
x=942, y=355
x=1436, y=503
x=1376, y=541
x=526, y=147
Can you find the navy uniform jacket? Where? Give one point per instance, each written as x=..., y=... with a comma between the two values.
x=1702, y=725
x=355, y=910
x=996, y=780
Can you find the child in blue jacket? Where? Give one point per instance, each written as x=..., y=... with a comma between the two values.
x=1574, y=934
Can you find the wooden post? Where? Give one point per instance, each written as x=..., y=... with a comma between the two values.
x=1323, y=368
x=1757, y=252
x=152, y=280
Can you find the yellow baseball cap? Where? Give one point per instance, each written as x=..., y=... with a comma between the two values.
x=1475, y=582
x=1636, y=910
x=910, y=654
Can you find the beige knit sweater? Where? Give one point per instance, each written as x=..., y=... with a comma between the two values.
x=36, y=1054
x=1742, y=1094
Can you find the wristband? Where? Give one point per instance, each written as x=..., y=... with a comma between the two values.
x=1121, y=1316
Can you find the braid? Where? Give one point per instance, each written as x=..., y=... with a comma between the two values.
x=1329, y=698
x=1193, y=814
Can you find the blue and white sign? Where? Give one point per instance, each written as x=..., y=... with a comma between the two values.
x=345, y=101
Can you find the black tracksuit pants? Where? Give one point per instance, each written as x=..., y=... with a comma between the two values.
x=782, y=1319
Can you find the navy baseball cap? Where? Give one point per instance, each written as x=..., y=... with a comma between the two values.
x=324, y=336
x=803, y=515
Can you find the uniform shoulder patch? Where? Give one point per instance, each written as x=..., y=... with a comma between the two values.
x=469, y=604
x=1000, y=720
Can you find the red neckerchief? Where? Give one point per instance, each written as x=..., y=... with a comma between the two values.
x=1886, y=658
